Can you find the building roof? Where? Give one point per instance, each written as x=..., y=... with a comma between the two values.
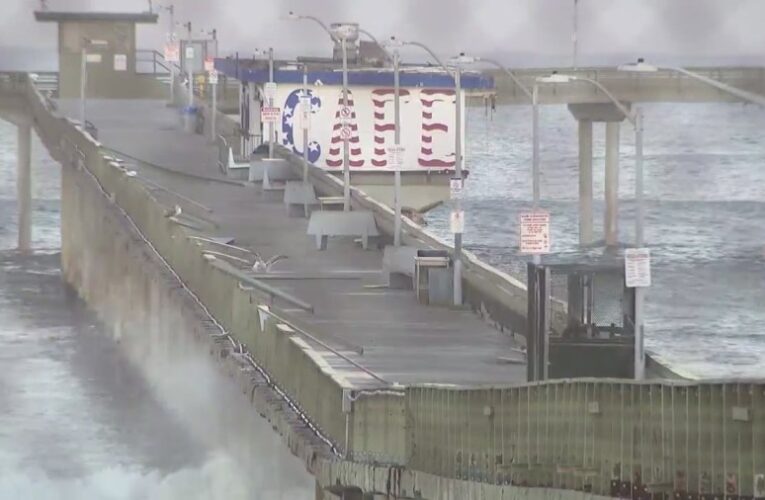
x=410, y=76
x=131, y=17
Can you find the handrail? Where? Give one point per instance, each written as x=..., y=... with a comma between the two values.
x=263, y=287
x=329, y=348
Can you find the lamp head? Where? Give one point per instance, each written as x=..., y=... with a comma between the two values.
x=393, y=43
x=463, y=58
x=555, y=77
x=638, y=67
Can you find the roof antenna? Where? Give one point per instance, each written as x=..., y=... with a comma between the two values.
x=151, y=7
x=43, y=5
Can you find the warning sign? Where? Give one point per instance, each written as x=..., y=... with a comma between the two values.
x=270, y=114
x=345, y=113
x=535, y=232
x=212, y=78
x=456, y=185
x=457, y=221
x=395, y=156
x=637, y=267
x=345, y=131
x=172, y=52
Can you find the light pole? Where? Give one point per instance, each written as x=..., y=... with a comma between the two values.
x=396, y=59
x=642, y=67
x=535, y=167
x=306, y=117
x=189, y=66
x=271, y=103
x=456, y=73
x=575, y=35
x=86, y=44
x=171, y=40
x=339, y=35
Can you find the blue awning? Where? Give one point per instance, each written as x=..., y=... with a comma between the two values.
x=409, y=77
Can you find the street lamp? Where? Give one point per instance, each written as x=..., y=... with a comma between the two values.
x=395, y=57
x=636, y=119
x=642, y=67
x=86, y=44
x=189, y=66
x=270, y=98
x=339, y=35
x=456, y=73
x=170, y=9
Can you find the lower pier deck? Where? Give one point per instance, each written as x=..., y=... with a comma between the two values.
x=384, y=330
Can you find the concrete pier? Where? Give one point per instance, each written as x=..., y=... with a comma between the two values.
x=585, y=182
x=586, y=115
x=24, y=185
x=611, y=215
x=378, y=395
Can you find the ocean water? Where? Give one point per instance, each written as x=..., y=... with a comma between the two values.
x=705, y=217
x=80, y=420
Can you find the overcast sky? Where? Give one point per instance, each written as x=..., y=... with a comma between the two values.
x=514, y=30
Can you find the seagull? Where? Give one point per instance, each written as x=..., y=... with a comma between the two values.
x=173, y=212
x=263, y=266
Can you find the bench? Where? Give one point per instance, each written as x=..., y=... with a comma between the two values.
x=360, y=224
x=299, y=195
x=228, y=163
x=399, y=266
x=336, y=202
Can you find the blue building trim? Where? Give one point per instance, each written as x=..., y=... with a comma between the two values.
x=377, y=78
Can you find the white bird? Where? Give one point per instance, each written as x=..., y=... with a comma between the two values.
x=263, y=266
x=173, y=212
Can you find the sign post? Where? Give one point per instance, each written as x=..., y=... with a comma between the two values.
x=172, y=57
x=212, y=78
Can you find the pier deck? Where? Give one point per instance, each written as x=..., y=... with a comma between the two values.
x=402, y=341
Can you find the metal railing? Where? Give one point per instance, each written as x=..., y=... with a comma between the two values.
x=608, y=437
x=148, y=61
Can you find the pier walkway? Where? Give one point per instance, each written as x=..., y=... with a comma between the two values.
x=385, y=330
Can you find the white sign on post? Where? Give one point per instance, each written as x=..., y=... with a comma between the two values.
x=535, y=232
x=212, y=78
x=189, y=52
x=270, y=114
x=456, y=184
x=457, y=221
x=345, y=131
x=120, y=62
x=269, y=91
x=92, y=58
x=345, y=113
x=637, y=267
x=305, y=113
x=395, y=156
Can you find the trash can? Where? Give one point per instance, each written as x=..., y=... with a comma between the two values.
x=189, y=114
x=433, y=277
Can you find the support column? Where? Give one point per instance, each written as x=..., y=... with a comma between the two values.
x=611, y=220
x=24, y=186
x=585, y=182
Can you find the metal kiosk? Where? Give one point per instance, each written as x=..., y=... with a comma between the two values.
x=580, y=320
